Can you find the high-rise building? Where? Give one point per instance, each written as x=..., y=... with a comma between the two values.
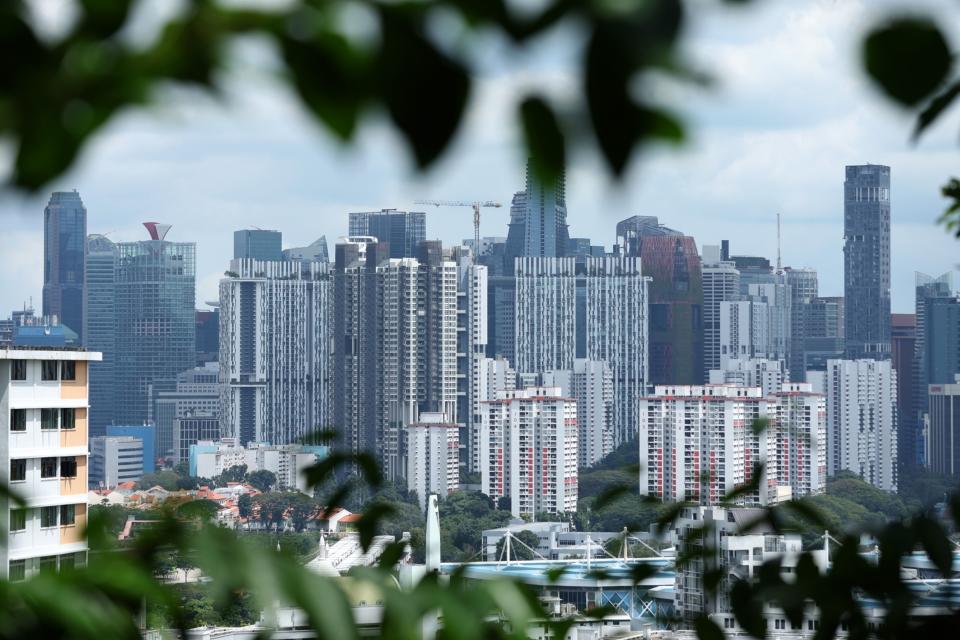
x=397, y=318
x=804, y=289
x=314, y=252
x=769, y=375
x=43, y=424
x=275, y=350
x=528, y=451
x=494, y=375
x=942, y=340
x=861, y=419
x=433, y=456
x=903, y=338
x=257, y=244
x=196, y=391
x=822, y=334
x=65, y=260
x=115, y=459
x=472, y=339
x=672, y=263
x=590, y=384
x=943, y=432
x=100, y=330
x=758, y=326
x=697, y=443
x=191, y=429
x=866, y=261
x=156, y=317
x=721, y=283
x=208, y=335
x=143, y=433
x=538, y=219
x=403, y=231
x=545, y=326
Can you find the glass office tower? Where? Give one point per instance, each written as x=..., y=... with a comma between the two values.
x=64, y=259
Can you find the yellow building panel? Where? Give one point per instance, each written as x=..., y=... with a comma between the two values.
x=75, y=389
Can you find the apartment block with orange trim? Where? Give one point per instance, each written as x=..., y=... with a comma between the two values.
x=44, y=401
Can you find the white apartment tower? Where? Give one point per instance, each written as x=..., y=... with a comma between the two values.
x=528, y=450
x=43, y=458
x=797, y=439
x=472, y=339
x=433, y=456
x=590, y=383
x=275, y=350
x=721, y=283
x=697, y=443
x=545, y=327
x=769, y=375
x=862, y=419
x=494, y=376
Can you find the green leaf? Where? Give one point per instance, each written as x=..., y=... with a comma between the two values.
x=707, y=629
x=908, y=57
x=544, y=138
x=103, y=18
x=936, y=106
x=425, y=90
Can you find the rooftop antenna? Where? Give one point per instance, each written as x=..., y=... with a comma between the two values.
x=779, y=265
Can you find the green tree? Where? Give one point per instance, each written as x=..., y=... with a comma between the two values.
x=203, y=510
x=263, y=480
x=236, y=473
x=166, y=479
x=245, y=505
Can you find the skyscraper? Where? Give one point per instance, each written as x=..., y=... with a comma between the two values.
x=545, y=327
x=100, y=330
x=156, y=317
x=721, y=283
x=65, y=260
x=866, y=261
x=804, y=289
x=316, y=251
x=275, y=350
x=402, y=230
x=538, y=219
x=903, y=338
x=257, y=244
x=590, y=384
x=672, y=262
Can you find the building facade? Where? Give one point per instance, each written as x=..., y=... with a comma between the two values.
x=538, y=219
x=100, y=330
x=65, y=260
x=590, y=384
x=433, y=456
x=769, y=375
x=545, y=326
x=43, y=458
x=190, y=429
x=115, y=459
x=866, y=261
x=721, y=283
x=275, y=350
x=257, y=244
x=528, y=451
x=155, y=318
x=403, y=231
x=196, y=390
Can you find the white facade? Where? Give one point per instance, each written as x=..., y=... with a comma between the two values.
x=43, y=458
x=797, y=439
x=590, y=383
x=528, y=450
x=275, y=350
x=494, y=376
x=287, y=462
x=545, y=326
x=473, y=336
x=698, y=443
x=862, y=419
x=744, y=330
x=769, y=375
x=115, y=459
x=433, y=456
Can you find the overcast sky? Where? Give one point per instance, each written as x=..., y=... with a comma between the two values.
x=790, y=109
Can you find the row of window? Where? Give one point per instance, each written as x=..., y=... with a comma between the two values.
x=55, y=516
x=50, y=419
x=67, y=466
x=18, y=568
x=49, y=370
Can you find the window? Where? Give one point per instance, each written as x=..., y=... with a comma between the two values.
x=48, y=418
x=18, y=519
x=68, y=418
x=68, y=370
x=48, y=467
x=18, y=570
x=68, y=514
x=48, y=516
x=18, y=420
x=18, y=369
x=68, y=467
x=18, y=470
x=48, y=564
x=48, y=369
x=67, y=562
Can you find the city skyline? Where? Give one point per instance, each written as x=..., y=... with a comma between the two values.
x=739, y=135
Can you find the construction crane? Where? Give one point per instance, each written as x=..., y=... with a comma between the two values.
x=476, y=204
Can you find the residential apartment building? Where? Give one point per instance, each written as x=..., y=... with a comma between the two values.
x=115, y=459
x=861, y=419
x=545, y=327
x=721, y=283
x=472, y=340
x=433, y=456
x=796, y=436
x=495, y=375
x=276, y=347
x=528, y=451
x=402, y=231
x=43, y=458
x=590, y=384
x=769, y=375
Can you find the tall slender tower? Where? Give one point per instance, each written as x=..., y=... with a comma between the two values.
x=65, y=259
x=100, y=330
x=866, y=261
